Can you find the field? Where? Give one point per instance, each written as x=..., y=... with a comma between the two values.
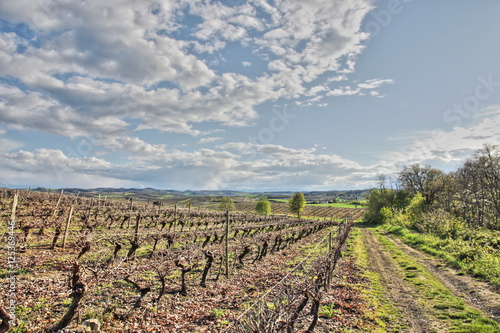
x=311, y=211
x=140, y=267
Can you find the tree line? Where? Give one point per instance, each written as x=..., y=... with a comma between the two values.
x=432, y=200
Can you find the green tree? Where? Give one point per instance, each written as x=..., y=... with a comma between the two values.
x=263, y=206
x=297, y=203
x=378, y=199
x=227, y=204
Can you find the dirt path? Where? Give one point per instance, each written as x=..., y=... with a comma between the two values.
x=477, y=294
x=399, y=290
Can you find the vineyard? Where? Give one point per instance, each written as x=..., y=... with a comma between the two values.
x=135, y=267
x=309, y=210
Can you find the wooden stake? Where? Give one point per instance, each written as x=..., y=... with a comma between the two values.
x=175, y=216
x=227, y=242
x=14, y=207
x=137, y=221
x=59, y=200
x=330, y=242
x=67, y=227
x=130, y=214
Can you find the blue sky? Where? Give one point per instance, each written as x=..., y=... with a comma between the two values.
x=243, y=95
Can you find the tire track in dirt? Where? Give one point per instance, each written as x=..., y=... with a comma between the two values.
x=479, y=295
x=399, y=291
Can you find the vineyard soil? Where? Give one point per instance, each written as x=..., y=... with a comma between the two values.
x=45, y=295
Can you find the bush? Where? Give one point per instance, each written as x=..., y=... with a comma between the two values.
x=227, y=204
x=376, y=201
x=416, y=208
x=263, y=207
x=442, y=223
x=386, y=215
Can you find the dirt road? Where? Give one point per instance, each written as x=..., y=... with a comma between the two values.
x=400, y=292
x=416, y=315
x=477, y=294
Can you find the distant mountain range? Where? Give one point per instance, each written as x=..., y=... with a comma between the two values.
x=152, y=193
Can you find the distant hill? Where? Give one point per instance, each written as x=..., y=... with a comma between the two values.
x=156, y=194
x=139, y=192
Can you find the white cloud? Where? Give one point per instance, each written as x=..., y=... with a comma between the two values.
x=119, y=42
x=103, y=64
x=249, y=167
x=44, y=167
x=208, y=140
x=344, y=91
x=359, y=90
x=23, y=110
x=449, y=148
x=375, y=83
x=130, y=145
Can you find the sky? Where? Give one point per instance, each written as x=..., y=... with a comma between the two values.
x=255, y=95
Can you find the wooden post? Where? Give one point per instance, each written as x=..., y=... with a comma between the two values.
x=59, y=199
x=330, y=242
x=330, y=246
x=57, y=204
x=130, y=214
x=175, y=216
x=227, y=242
x=68, y=221
x=137, y=221
x=14, y=207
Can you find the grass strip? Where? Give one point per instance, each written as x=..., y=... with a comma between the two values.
x=381, y=314
x=477, y=254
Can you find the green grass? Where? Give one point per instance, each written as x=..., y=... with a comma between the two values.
x=436, y=297
x=279, y=200
x=337, y=205
x=218, y=313
x=329, y=311
x=476, y=253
